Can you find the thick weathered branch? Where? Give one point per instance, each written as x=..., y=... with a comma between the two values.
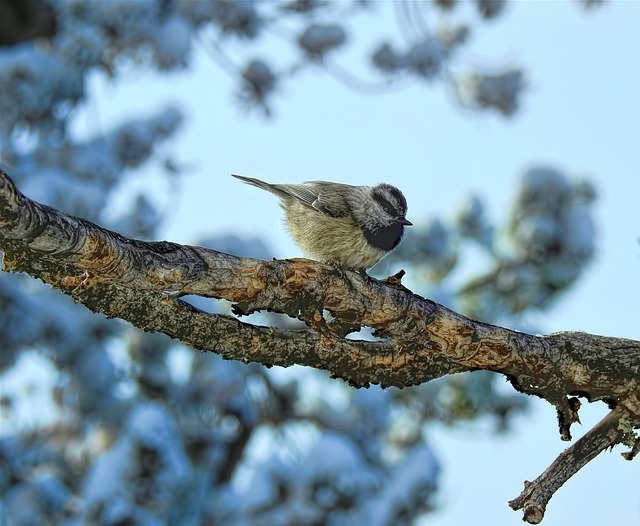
x=140, y=282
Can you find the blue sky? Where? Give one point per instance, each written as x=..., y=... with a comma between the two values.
x=581, y=114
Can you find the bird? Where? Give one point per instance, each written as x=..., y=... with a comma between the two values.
x=350, y=226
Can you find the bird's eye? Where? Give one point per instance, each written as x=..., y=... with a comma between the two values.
x=386, y=205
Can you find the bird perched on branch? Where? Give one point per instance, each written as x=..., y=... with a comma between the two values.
x=351, y=226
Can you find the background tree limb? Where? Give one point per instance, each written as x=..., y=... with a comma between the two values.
x=141, y=282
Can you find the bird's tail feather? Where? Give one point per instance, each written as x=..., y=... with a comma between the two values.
x=273, y=188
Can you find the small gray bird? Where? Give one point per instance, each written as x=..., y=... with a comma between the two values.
x=352, y=226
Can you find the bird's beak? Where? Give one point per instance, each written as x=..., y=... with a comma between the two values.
x=406, y=222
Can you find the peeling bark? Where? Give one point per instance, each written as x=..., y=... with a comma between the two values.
x=142, y=282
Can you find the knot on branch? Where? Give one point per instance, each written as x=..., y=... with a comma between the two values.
x=568, y=415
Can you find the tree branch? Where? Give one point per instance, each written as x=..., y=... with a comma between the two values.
x=535, y=496
x=141, y=281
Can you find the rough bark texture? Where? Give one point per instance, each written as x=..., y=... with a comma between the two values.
x=142, y=282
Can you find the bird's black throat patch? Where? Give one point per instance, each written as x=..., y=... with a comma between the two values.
x=385, y=237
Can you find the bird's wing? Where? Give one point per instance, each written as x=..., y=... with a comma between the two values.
x=331, y=198
x=301, y=192
x=327, y=198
